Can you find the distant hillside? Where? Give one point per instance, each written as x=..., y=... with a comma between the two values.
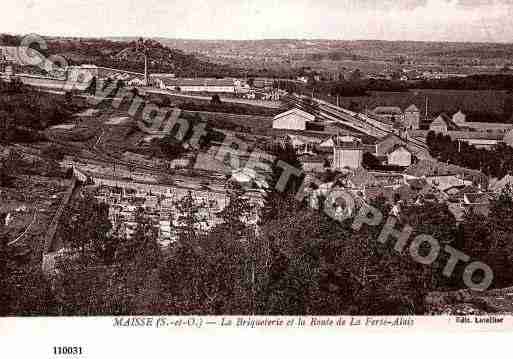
x=122, y=55
x=363, y=48
x=478, y=51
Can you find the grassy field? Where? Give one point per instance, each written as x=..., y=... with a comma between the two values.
x=449, y=101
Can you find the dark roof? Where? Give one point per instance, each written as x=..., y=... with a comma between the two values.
x=177, y=82
x=388, y=110
x=388, y=144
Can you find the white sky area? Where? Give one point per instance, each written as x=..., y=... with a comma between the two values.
x=429, y=20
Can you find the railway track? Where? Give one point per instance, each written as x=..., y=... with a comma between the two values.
x=357, y=121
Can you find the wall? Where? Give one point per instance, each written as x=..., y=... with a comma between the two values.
x=42, y=81
x=351, y=158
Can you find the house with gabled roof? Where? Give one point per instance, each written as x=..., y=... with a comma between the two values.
x=294, y=119
x=460, y=119
x=400, y=156
x=443, y=124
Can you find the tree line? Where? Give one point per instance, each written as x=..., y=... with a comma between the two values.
x=496, y=162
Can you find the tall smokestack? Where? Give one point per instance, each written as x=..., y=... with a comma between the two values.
x=146, y=80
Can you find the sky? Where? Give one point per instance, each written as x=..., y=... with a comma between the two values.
x=422, y=20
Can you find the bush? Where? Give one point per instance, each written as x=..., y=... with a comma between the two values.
x=216, y=100
x=54, y=152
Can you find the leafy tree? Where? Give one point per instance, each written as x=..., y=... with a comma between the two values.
x=128, y=284
x=497, y=162
x=216, y=100
x=86, y=228
x=5, y=296
x=370, y=161
x=356, y=76
x=280, y=201
x=142, y=245
x=171, y=147
x=6, y=128
x=91, y=89
x=182, y=275
x=135, y=92
x=6, y=179
x=34, y=296
x=54, y=152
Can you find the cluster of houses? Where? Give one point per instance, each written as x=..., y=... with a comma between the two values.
x=426, y=181
x=396, y=171
x=337, y=150
x=410, y=123
x=479, y=134
x=159, y=204
x=160, y=200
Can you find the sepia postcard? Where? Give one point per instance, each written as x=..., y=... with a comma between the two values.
x=294, y=167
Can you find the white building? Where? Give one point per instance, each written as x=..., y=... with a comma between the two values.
x=197, y=84
x=294, y=119
x=460, y=119
x=400, y=157
x=347, y=155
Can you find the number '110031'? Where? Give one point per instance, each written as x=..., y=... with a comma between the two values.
x=67, y=350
